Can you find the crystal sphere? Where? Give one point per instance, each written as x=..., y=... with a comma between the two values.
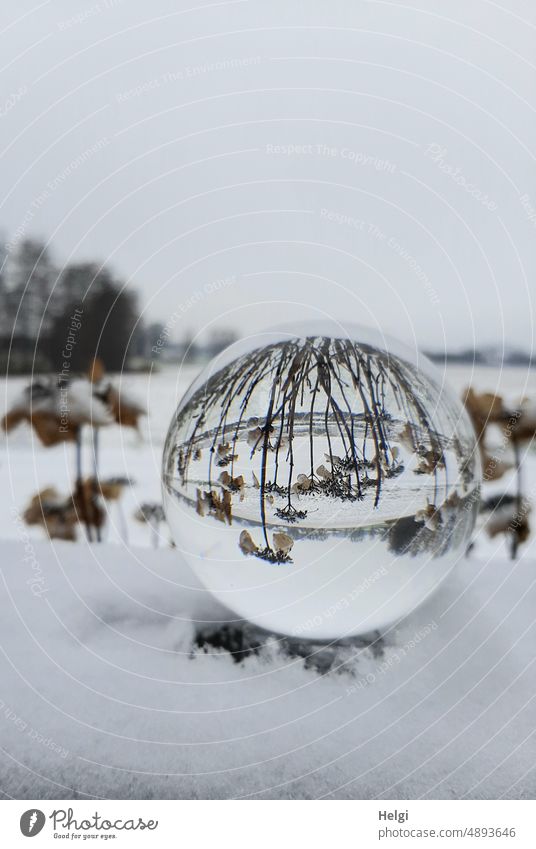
x=322, y=481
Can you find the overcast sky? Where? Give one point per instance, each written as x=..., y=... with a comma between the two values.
x=252, y=162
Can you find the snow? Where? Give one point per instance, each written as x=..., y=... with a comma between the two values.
x=107, y=693
x=104, y=694
x=83, y=406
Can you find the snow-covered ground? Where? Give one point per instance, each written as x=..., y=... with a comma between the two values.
x=111, y=686
x=101, y=695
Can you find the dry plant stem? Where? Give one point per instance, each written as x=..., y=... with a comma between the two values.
x=96, y=484
x=79, y=487
x=519, y=495
x=267, y=426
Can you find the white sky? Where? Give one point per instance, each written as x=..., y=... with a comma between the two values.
x=180, y=183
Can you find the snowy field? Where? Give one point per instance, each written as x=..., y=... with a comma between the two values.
x=26, y=467
x=114, y=684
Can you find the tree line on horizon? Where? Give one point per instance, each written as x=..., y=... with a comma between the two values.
x=82, y=309
x=76, y=314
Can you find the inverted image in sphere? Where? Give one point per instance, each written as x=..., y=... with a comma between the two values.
x=321, y=483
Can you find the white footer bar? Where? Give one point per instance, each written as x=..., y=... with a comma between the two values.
x=270, y=824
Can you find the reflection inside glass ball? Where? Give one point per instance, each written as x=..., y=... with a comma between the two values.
x=320, y=486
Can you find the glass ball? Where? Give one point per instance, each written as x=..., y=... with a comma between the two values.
x=322, y=482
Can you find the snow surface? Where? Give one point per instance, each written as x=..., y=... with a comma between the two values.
x=106, y=692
